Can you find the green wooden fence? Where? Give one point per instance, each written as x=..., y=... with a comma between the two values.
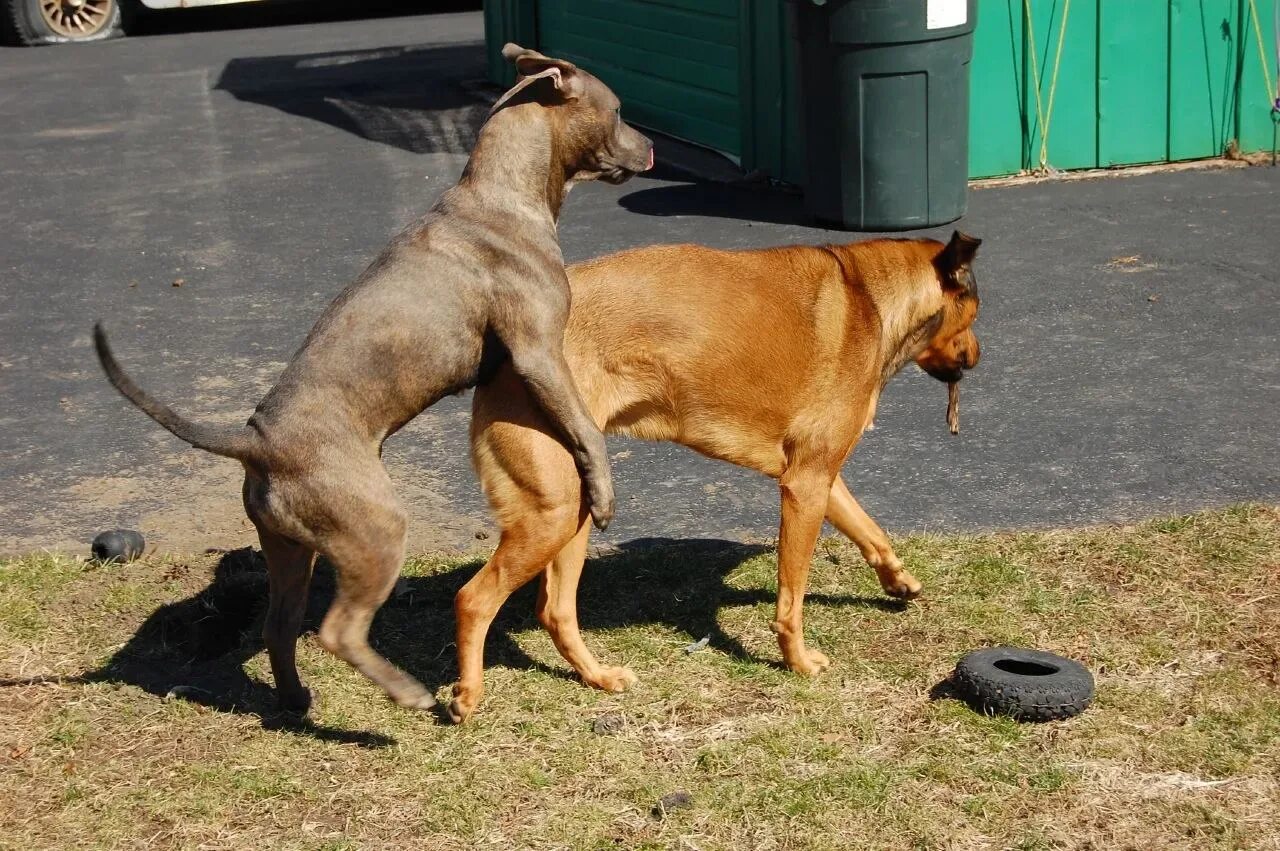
x=1139, y=81
x=1119, y=81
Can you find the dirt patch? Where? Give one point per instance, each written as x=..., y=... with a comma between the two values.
x=188, y=501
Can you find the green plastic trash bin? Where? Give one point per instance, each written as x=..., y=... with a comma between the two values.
x=885, y=99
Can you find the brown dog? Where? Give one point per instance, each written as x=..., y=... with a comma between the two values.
x=478, y=281
x=770, y=359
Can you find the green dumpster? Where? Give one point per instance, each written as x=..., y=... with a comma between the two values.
x=885, y=101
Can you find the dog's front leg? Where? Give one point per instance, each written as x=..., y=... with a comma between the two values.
x=537, y=353
x=854, y=523
x=804, y=500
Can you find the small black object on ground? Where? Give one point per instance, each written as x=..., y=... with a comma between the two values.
x=1026, y=685
x=672, y=801
x=118, y=546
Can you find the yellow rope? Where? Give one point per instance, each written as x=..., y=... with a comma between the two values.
x=1043, y=116
x=1272, y=91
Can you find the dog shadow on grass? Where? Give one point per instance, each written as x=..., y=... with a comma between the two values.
x=195, y=649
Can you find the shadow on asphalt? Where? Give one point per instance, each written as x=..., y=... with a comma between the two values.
x=749, y=202
x=428, y=99
x=415, y=98
x=195, y=649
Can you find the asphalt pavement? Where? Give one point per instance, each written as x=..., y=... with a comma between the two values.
x=206, y=193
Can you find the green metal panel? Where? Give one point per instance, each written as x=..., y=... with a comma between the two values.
x=1073, y=123
x=997, y=117
x=504, y=21
x=1257, y=96
x=1133, y=82
x=771, y=140
x=1140, y=80
x=673, y=63
x=1203, y=36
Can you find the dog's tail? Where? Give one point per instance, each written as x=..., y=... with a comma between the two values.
x=240, y=443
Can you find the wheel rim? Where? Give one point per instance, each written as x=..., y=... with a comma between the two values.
x=76, y=18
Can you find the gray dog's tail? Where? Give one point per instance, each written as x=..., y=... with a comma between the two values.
x=239, y=443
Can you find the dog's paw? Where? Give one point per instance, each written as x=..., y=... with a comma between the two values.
x=613, y=679
x=464, y=703
x=602, y=513
x=418, y=698
x=903, y=586
x=294, y=702
x=812, y=663
x=458, y=713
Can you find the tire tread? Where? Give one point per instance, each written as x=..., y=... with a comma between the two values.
x=1054, y=698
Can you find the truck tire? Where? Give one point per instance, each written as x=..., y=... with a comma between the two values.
x=35, y=22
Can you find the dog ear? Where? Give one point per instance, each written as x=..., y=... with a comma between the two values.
x=532, y=66
x=962, y=249
x=529, y=62
x=954, y=261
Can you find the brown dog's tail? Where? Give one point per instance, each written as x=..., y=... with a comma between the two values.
x=239, y=443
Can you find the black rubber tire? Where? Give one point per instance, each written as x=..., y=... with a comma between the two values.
x=27, y=27
x=1027, y=685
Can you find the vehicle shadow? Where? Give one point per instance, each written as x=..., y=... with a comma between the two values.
x=419, y=98
x=423, y=99
x=196, y=649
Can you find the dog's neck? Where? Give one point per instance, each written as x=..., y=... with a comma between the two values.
x=518, y=155
x=909, y=305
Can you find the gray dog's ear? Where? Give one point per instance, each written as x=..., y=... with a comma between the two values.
x=529, y=62
x=532, y=66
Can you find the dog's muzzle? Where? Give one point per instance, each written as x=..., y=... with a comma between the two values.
x=946, y=376
x=616, y=173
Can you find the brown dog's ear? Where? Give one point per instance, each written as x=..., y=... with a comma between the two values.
x=962, y=248
x=954, y=261
x=532, y=66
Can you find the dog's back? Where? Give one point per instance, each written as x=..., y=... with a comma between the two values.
x=685, y=342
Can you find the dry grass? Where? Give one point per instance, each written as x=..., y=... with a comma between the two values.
x=1178, y=618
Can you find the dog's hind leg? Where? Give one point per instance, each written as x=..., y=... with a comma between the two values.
x=847, y=515
x=526, y=547
x=367, y=551
x=558, y=612
x=289, y=566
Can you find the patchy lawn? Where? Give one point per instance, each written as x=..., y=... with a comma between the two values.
x=133, y=709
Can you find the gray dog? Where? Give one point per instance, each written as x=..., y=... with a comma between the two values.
x=478, y=280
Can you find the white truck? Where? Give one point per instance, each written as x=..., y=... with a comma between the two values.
x=65, y=21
